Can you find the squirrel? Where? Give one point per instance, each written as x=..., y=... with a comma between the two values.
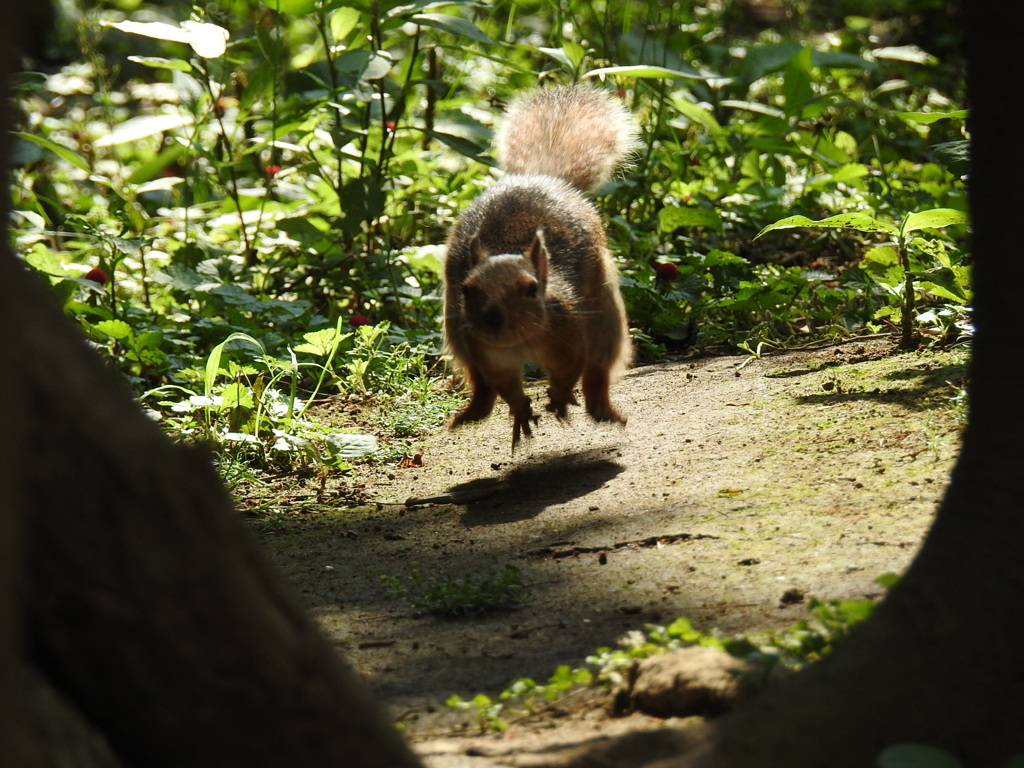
x=528, y=276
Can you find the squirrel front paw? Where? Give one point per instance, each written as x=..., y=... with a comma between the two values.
x=523, y=421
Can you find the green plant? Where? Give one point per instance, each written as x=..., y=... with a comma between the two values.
x=485, y=710
x=945, y=277
x=454, y=596
x=803, y=642
x=524, y=692
x=252, y=412
x=811, y=638
x=423, y=407
x=270, y=171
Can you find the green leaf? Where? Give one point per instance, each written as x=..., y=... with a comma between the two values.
x=932, y=117
x=457, y=702
x=933, y=219
x=115, y=329
x=462, y=145
x=298, y=7
x=62, y=152
x=646, y=72
x=888, y=580
x=28, y=81
x=944, y=282
x=321, y=343
x=454, y=24
x=343, y=21
x=237, y=396
x=156, y=62
x=300, y=446
x=156, y=30
x=884, y=256
x=142, y=127
x=378, y=68
x=152, y=169
x=148, y=340
x=796, y=84
x=916, y=756
x=213, y=361
x=849, y=172
x=209, y=41
x=179, y=276
x=366, y=65
x=45, y=260
x=350, y=446
x=575, y=52
x=768, y=57
x=842, y=60
x=682, y=629
x=820, y=148
x=859, y=221
x=955, y=155
x=672, y=218
x=558, y=55
x=699, y=115
x=909, y=53
x=753, y=106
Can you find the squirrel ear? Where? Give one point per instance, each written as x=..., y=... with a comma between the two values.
x=538, y=255
x=476, y=251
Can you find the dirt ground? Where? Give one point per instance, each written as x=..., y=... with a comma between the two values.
x=735, y=481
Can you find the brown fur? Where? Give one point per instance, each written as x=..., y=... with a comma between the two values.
x=528, y=275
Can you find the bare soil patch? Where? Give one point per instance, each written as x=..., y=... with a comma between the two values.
x=735, y=483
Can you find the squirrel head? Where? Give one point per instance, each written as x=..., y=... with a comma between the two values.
x=504, y=296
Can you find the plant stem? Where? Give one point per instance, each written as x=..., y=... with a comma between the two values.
x=908, y=339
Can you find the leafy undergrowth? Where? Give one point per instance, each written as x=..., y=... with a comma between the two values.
x=243, y=207
x=805, y=641
x=455, y=596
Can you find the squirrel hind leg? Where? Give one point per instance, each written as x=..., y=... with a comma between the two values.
x=596, y=384
x=523, y=421
x=560, y=398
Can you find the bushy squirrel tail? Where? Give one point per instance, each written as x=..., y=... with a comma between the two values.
x=578, y=133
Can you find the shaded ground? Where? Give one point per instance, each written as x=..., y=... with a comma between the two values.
x=734, y=482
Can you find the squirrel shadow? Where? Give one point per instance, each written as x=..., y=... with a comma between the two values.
x=527, y=490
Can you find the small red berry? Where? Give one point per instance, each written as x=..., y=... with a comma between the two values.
x=390, y=125
x=272, y=170
x=666, y=271
x=356, y=320
x=97, y=275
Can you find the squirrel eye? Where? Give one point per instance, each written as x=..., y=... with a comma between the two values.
x=531, y=290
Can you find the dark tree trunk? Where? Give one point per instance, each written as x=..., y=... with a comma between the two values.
x=147, y=604
x=127, y=580
x=940, y=662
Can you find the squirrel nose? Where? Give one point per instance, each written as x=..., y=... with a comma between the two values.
x=493, y=317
